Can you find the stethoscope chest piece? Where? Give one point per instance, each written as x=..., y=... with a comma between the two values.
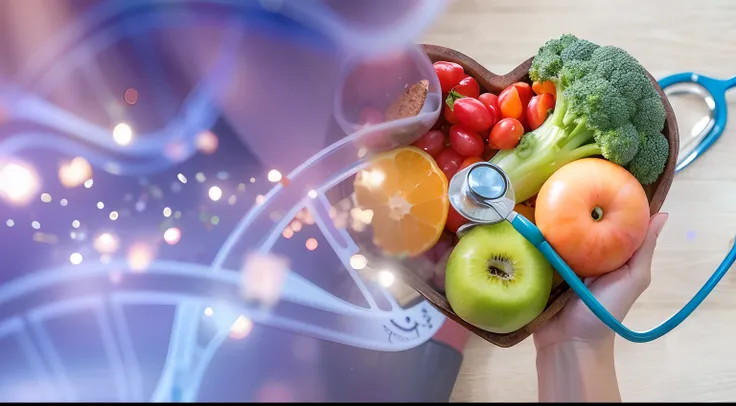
x=482, y=194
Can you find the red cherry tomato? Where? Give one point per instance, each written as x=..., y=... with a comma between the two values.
x=449, y=74
x=513, y=100
x=449, y=114
x=546, y=87
x=370, y=116
x=506, y=134
x=432, y=142
x=489, y=99
x=469, y=161
x=525, y=92
x=510, y=103
x=495, y=113
x=465, y=141
x=538, y=109
x=472, y=114
x=449, y=161
x=468, y=87
x=454, y=220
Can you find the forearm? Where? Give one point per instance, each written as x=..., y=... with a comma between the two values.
x=577, y=372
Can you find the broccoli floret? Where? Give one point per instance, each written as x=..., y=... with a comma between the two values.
x=649, y=162
x=598, y=101
x=578, y=50
x=620, y=145
x=547, y=63
x=606, y=106
x=650, y=115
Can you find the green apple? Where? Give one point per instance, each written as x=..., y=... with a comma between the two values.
x=496, y=280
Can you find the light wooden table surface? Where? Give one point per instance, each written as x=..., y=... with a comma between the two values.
x=697, y=361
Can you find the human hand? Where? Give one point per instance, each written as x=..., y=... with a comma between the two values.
x=616, y=291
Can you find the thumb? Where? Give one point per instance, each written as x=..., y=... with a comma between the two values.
x=641, y=261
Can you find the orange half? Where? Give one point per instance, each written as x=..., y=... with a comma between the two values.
x=407, y=193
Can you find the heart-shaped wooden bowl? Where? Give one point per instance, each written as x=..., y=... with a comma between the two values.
x=561, y=293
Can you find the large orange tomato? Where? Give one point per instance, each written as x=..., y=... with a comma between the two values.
x=594, y=213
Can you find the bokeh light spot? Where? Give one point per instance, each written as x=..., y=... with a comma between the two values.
x=122, y=134
x=75, y=258
x=358, y=261
x=172, y=235
x=312, y=244
x=130, y=96
x=215, y=193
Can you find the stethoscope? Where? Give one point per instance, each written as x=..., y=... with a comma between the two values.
x=713, y=92
x=483, y=194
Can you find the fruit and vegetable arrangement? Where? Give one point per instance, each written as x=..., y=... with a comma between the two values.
x=579, y=141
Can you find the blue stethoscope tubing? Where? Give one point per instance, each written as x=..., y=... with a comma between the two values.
x=717, y=89
x=530, y=231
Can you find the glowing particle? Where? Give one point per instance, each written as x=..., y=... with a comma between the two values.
x=206, y=142
x=215, y=193
x=241, y=328
x=88, y=183
x=36, y=225
x=231, y=200
x=10, y=223
x=172, y=236
x=260, y=199
x=106, y=243
x=362, y=216
x=222, y=175
x=215, y=220
x=100, y=205
x=690, y=235
x=312, y=193
x=182, y=178
x=73, y=235
x=241, y=187
x=208, y=311
x=18, y=183
x=287, y=233
x=200, y=177
x=285, y=181
x=252, y=180
x=177, y=214
x=312, y=244
x=263, y=278
x=130, y=96
x=358, y=261
x=139, y=257
x=113, y=215
x=296, y=225
x=167, y=211
x=63, y=202
x=75, y=224
x=75, y=258
x=122, y=134
x=75, y=173
x=274, y=176
x=45, y=197
x=386, y=278
x=140, y=205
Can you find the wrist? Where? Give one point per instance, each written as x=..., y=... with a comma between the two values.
x=577, y=371
x=587, y=348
